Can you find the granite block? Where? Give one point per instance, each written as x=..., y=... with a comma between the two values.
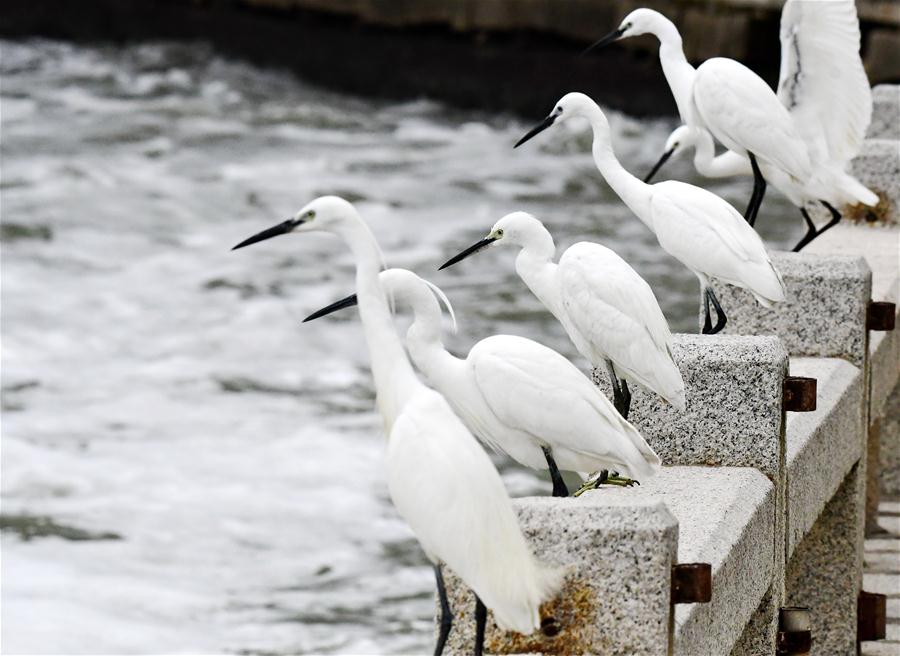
x=823, y=445
x=726, y=517
x=825, y=311
x=733, y=386
x=825, y=572
x=889, y=456
x=885, y=122
x=760, y=635
x=618, y=548
x=879, y=245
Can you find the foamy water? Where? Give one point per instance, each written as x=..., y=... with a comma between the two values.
x=185, y=467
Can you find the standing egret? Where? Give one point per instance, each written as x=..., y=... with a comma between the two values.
x=695, y=226
x=731, y=101
x=520, y=397
x=607, y=309
x=824, y=87
x=440, y=479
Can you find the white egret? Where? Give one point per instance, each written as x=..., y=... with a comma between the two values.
x=519, y=397
x=607, y=309
x=731, y=101
x=695, y=226
x=440, y=479
x=824, y=87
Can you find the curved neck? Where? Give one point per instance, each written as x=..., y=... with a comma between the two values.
x=727, y=164
x=634, y=192
x=395, y=380
x=678, y=71
x=704, y=152
x=536, y=268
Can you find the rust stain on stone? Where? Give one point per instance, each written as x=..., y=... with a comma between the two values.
x=566, y=626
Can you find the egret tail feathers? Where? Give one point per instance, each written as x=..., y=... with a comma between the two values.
x=520, y=612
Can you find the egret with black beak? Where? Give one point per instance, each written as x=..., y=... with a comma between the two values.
x=440, y=479
x=695, y=226
x=728, y=99
x=519, y=397
x=824, y=87
x=607, y=309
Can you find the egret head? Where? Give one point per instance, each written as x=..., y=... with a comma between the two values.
x=681, y=138
x=406, y=288
x=326, y=213
x=516, y=229
x=640, y=21
x=571, y=104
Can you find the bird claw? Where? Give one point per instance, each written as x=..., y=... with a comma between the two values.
x=621, y=481
x=593, y=483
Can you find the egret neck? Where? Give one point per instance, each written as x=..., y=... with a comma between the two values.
x=395, y=381
x=536, y=267
x=423, y=339
x=635, y=193
x=678, y=71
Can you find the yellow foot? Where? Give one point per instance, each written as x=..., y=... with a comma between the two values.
x=594, y=481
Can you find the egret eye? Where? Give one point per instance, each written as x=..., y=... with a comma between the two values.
x=311, y=214
x=499, y=233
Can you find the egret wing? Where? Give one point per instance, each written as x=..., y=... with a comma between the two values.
x=596, y=282
x=710, y=236
x=536, y=390
x=822, y=81
x=445, y=486
x=744, y=114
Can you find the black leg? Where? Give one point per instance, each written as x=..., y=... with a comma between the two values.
x=759, y=190
x=618, y=398
x=480, y=622
x=810, y=231
x=707, y=320
x=559, y=485
x=446, y=615
x=721, y=319
x=626, y=398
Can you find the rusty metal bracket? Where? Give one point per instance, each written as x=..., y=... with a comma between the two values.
x=691, y=583
x=871, y=616
x=799, y=394
x=881, y=315
x=794, y=631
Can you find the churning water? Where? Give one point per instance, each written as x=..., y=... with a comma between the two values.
x=186, y=467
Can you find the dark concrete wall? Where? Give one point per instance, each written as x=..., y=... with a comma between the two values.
x=497, y=55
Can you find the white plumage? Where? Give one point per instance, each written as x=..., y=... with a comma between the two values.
x=440, y=479
x=517, y=395
x=695, y=226
x=803, y=138
x=607, y=309
x=822, y=81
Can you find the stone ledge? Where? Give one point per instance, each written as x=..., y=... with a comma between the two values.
x=618, y=548
x=825, y=311
x=885, y=112
x=824, y=445
x=726, y=517
x=733, y=418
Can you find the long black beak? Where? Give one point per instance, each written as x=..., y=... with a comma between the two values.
x=540, y=127
x=471, y=250
x=656, y=167
x=350, y=301
x=609, y=38
x=268, y=233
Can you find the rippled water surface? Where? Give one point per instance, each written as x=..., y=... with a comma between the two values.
x=186, y=467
